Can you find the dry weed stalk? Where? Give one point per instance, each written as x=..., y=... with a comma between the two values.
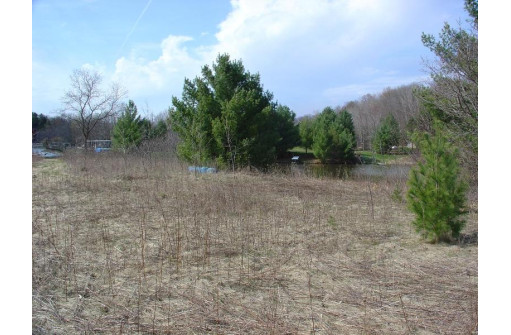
x=146, y=247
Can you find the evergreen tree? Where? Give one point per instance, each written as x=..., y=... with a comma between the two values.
x=387, y=135
x=191, y=119
x=38, y=121
x=436, y=193
x=127, y=132
x=322, y=139
x=287, y=130
x=346, y=141
x=306, y=131
x=150, y=131
x=333, y=136
x=226, y=116
x=145, y=128
x=38, y=124
x=159, y=130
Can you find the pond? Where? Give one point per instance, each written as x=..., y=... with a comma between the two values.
x=40, y=151
x=343, y=171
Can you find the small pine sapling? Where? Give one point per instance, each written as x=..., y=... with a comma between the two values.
x=436, y=192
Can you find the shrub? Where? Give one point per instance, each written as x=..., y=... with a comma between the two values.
x=436, y=192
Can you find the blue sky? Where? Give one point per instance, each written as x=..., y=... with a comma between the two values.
x=310, y=54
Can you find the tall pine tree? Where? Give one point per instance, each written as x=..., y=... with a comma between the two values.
x=226, y=117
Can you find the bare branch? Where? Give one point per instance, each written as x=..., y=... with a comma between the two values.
x=87, y=104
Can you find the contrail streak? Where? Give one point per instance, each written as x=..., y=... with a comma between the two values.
x=135, y=25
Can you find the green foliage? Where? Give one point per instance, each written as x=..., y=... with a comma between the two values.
x=387, y=135
x=322, y=140
x=370, y=157
x=150, y=132
x=332, y=222
x=397, y=194
x=471, y=6
x=306, y=132
x=333, y=136
x=346, y=139
x=191, y=119
x=127, y=132
x=38, y=121
x=227, y=117
x=436, y=193
x=145, y=128
x=159, y=130
x=287, y=130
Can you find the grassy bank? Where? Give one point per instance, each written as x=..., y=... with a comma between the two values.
x=365, y=156
x=142, y=246
x=375, y=158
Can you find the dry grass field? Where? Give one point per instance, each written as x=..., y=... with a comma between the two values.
x=142, y=246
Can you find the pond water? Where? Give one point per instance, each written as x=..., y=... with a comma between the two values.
x=343, y=171
x=40, y=151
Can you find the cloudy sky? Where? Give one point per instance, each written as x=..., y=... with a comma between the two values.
x=310, y=54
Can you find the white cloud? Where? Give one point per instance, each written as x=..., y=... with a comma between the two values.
x=265, y=32
x=167, y=72
x=302, y=29
x=100, y=68
x=323, y=49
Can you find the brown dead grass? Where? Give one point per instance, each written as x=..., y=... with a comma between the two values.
x=142, y=246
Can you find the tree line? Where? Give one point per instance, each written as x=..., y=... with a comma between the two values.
x=227, y=119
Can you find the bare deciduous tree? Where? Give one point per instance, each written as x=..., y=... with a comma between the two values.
x=87, y=104
x=370, y=109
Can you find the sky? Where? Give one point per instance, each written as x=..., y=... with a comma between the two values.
x=309, y=54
